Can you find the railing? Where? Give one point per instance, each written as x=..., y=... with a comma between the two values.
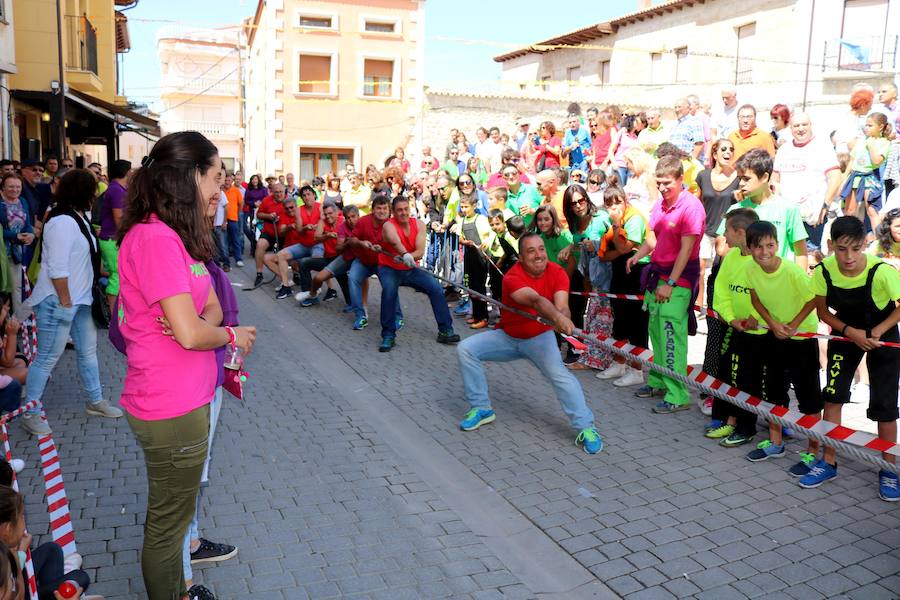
x=873, y=53
x=211, y=128
x=214, y=86
x=82, y=54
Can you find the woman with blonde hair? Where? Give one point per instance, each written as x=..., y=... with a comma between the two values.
x=641, y=187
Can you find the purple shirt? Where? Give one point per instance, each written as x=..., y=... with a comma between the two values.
x=114, y=197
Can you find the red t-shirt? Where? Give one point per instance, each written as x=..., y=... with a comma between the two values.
x=550, y=160
x=553, y=280
x=306, y=216
x=407, y=241
x=330, y=244
x=367, y=230
x=269, y=206
x=344, y=232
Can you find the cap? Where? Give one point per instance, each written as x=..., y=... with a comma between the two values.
x=522, y=121
x=32, y=162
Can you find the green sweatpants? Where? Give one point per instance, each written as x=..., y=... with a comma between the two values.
x=174, y=452
x=109, y=254
x=668, y=338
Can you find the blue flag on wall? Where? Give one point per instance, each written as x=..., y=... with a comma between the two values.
x=860, y=53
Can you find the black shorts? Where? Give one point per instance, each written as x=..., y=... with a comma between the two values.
x=794, y=362
x=269, y=238
x=884, y=372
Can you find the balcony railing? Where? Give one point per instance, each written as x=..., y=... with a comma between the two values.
x=873, y=53
x=82, y=55
x=209, y=128
x=212, y=86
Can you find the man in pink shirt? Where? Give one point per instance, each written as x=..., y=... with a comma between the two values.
x=671, y=281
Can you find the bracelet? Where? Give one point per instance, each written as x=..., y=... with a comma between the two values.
x=230, y=333
x=844, y=330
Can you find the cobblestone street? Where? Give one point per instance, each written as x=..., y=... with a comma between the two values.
x=344, y=474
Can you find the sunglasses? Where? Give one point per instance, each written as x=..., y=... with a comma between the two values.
x=594, y=181
x=580, y=201
x=464, y=182
x=441, y=189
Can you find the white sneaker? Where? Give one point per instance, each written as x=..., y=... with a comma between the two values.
x=706, y=407
x=614, y=371
x=72, y=562
x=104, y=409
x=301, y=296
x=239, y=263
x=17, y=465
x=632, y=377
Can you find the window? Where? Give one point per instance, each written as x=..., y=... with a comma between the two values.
x=3, y=10
x=743, y=66
x=681, y=64
x=656, y=71
x=573, y=75
x=315, y=22
x=381, y=26
x=545, y=83
x=318, y=162
x=378, y=78
x=317, y=74
x=604, y=72
x=862, y=34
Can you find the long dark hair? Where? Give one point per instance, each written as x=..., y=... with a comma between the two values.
x=556, y=228
x=166, y=185
x=883, y=232
x=569, y=210
x=76, y=191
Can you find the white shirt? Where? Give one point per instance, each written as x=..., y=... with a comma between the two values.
x=725, y=122
x=219, y=219
x=803, y=171
x=65, y=254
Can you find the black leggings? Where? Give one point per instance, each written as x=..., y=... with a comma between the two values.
x=476, y=278
x=48, y=570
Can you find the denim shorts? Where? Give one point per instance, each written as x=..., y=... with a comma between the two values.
x=299, y=251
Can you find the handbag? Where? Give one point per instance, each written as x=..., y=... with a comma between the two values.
x=99, y=306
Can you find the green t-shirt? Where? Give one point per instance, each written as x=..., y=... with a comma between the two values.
x=555, y=244
x=731, y=292
x=594, y=231
x=862, y=159
x=885, y=285
x=636, y=231
x=528, y=195
x=784, y=215
x=783, y=292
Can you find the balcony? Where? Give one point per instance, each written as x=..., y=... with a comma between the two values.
x=211, y=129
x=872, y=53
x=81, y=54
x=208, y=86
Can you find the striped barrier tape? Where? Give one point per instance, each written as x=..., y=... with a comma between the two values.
x=849, y=441
x=29, y=565
x=61, y=529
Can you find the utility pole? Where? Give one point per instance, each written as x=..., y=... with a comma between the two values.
x=62, y=82
x=812, y=14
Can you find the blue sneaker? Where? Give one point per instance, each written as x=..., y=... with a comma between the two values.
x=765, y=450
x=477, y=417
x=665, y=408
x=589, y=439
x=398, y=323
x=819, y=472
x=713, y=425
x=387, y=342
x=311, y=301
x=888, y=486
x=645, y=391
x=463, y=309
x=802, y=467
x=787, y=432
x=360, y=323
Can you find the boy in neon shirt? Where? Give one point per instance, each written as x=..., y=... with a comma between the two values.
x=780, y=293
x=863, y=292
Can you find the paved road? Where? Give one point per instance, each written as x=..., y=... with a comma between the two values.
x=344, y=474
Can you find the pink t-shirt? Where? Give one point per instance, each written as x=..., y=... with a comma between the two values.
x=163, y=380
x=685, y=217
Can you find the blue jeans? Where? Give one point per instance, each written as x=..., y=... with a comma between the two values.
x=623, y=175
x=193, y=532
x=541, y=350
x=419, y=280
x=244, y=218
x=235, y=240
x=55, y=323
x=221, y=238
x=357, y=274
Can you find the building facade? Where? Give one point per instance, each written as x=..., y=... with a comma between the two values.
x=81, y=101
x=796, y=52
x=7, y=67
x=332, y=82
x=201, y=86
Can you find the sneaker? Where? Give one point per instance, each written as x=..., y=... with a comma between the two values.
x=589, y=439
x=802, y=467
x=34, y=425
x=479, y=324
x=463, y=309
x=17, y=464
x=72, y=562
x=736, y=439
x=387, y=342
x=104, y=409
x=614, y=371
x=301, y=296
x=330, y=295
x=722, y=431
x=258, y=281
x=665, y=408
x=398, y=323
x=706, y=407
x=447, y=337
x=347, y=309
x=765, y=450
x=819, y=472
x=200, y=592
x=477, y=417
x=307, y=302
x=645, y=391
x=226, y=268
x=239, y=263
x=632, y=377
x=713, y=424
x=787, y=432
x=284, y=292
x=209, y=551
x=360, y=323
x=888, y=486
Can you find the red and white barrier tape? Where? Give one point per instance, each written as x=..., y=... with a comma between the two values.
x=29, y=565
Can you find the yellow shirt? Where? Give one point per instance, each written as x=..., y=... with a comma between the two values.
x=359, y=197
x=885, y=285
x=784, y=292
x=731, y=292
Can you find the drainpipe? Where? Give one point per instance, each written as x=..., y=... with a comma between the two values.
x=61, y=151
x=6, y=117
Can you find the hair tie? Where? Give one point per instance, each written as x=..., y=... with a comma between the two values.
x=147, y=161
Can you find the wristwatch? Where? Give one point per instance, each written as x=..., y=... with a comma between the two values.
x=671, y=282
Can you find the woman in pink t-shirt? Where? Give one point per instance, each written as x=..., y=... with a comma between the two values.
x=164, y=242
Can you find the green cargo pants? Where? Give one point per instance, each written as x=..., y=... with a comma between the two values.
x=668, y=338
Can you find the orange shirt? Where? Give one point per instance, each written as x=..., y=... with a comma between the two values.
x=756, y=139
x=234, y=203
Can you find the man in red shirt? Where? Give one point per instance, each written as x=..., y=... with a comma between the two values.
x=340, y=266
x=541, y=288
x=327, y=235
x=305, y=245
x=404, y=237
x=366, y=243
x=271, y=213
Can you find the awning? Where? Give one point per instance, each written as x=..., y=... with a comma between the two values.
x=125, y=116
